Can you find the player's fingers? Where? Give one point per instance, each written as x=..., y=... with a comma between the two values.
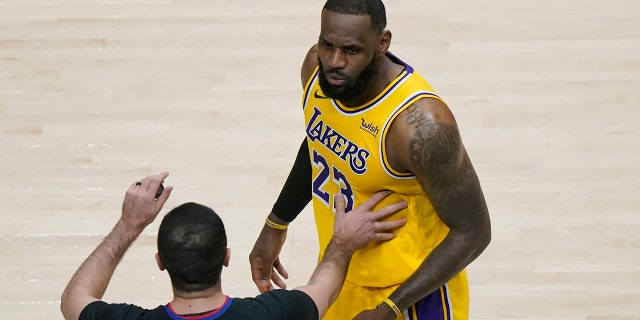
x=261, y=275
x=280, y=268
x=263, y=285
x=277, y=280
x=278, y=273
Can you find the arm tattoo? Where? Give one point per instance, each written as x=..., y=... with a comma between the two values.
x=439, y=160
x=435, y=147
x=437, y=152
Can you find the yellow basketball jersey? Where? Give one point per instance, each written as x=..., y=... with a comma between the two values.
x=346, y=146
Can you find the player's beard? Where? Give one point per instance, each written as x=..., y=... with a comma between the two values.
x=352, y=90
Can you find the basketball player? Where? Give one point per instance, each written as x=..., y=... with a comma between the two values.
x=373, y=123
x=192, y=247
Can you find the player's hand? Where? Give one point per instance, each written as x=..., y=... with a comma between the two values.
x=379, y=313
x=140, y=206
x=265, y=262
x=356, y=228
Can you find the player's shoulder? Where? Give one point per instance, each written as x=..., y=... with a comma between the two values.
x=429, y=108
x=309, y=64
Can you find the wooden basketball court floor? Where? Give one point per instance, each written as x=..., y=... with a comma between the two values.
x=96, y=94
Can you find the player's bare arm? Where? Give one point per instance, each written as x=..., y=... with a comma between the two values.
x=266, y=269
x=425, y=140
x=264, y=258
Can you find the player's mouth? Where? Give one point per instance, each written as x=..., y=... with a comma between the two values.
x=335, y=78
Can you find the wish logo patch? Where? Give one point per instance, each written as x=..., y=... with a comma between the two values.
x=369, y=127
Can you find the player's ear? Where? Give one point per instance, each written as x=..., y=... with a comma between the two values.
x=227, y=257
x=385, y=42
x=159, y=262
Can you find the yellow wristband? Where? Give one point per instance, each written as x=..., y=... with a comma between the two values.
x=275, y=225
x=393, y=307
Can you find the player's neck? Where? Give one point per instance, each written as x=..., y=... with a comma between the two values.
x=390, y=71
x=198, y=302
x=387, y=72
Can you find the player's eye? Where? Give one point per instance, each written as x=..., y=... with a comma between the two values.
x=351, y=51
x=324, y=44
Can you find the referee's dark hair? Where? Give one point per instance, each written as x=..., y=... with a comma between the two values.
x=191, y=246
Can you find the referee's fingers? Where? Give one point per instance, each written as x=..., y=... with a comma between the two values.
x=339, y=203
x=375, y=198
x=385, y=236
x=390, y=224
x=389, y=210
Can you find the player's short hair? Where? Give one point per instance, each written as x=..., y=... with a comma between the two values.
x=372, y=8
x=191, y=245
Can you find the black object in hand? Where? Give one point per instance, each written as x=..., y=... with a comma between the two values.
x=159, y=192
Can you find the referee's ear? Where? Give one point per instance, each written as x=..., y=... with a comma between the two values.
x=159, y=262
x=227, y=257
